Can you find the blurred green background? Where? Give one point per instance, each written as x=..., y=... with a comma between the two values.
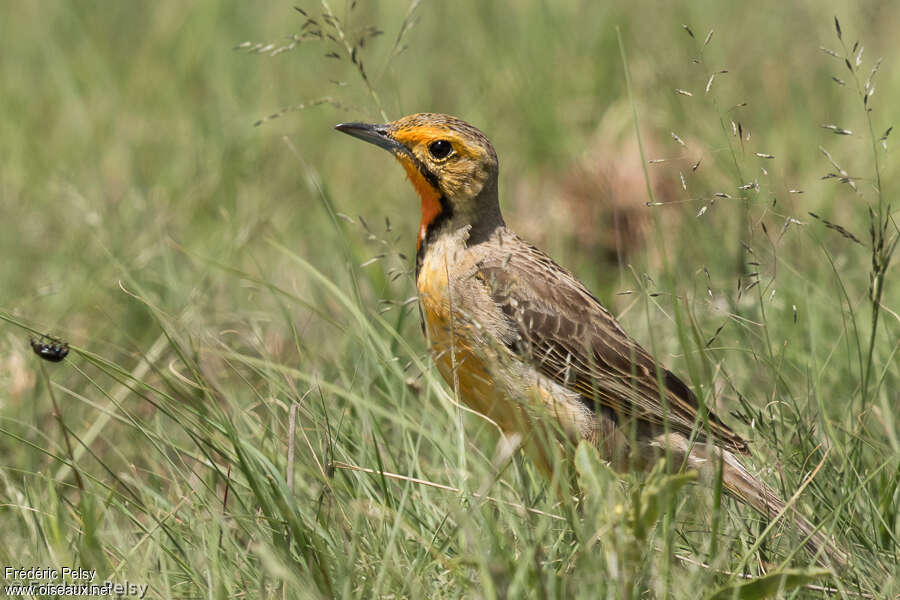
x=130, y=150
x=129, y=130
x=141, y=195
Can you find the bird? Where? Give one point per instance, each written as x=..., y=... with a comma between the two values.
x=523, y=342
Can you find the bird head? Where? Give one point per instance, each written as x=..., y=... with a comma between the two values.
x=450, y=163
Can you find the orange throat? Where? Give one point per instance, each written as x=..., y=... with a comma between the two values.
x=431, y=198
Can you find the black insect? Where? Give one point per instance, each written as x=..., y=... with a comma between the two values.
x=50, y=348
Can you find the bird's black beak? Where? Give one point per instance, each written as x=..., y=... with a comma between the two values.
x=374, y=134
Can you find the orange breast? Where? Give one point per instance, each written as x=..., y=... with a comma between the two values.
x=456, y=352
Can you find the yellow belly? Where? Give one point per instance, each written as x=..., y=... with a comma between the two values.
x=486, y=376
x=455, y=349
x=463, y=355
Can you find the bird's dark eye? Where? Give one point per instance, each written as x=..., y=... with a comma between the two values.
x=440, y=148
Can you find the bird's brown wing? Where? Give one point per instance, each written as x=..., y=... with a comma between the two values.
x=561, y=328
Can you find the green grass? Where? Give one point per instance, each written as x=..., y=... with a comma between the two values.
x=251, y=411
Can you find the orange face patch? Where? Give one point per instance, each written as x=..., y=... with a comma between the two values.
x=421, y=136
x=431, y=198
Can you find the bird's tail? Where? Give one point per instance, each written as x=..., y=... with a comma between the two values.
x=739, y=483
